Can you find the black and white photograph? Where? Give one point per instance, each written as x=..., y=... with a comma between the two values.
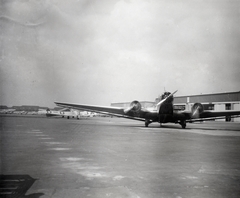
x=119, y=99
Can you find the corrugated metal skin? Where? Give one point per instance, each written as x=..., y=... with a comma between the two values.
x=209, y=98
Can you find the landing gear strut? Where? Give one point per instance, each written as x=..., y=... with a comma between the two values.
x=147, y=122
x=183, y=124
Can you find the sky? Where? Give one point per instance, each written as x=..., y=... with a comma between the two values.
x=98, y=52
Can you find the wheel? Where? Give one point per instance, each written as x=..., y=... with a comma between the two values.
x=183, y=124
x=146, y=123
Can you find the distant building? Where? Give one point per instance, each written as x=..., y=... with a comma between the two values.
x=42, y=108
x=3, y=107
x=25, y=108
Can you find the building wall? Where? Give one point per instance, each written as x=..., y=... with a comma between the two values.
x=220, y=107
x=236, y=107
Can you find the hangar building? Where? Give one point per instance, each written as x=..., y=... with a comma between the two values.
x=216, y=101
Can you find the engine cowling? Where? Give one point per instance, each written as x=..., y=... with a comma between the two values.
x=197, y=109
x=134, y=108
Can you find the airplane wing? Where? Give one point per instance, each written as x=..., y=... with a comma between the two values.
x=210, y=118
x=135, y=111
x=112, y=111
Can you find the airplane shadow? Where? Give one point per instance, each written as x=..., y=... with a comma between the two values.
x=16, y=186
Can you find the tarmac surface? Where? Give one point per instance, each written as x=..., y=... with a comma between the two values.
x=114, y=157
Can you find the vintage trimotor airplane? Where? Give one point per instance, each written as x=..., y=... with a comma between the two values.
x=163, y=113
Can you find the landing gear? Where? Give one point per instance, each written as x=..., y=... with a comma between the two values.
x=183, y=124
x=147, y=122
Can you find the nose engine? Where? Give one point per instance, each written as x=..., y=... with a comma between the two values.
x=197, y=109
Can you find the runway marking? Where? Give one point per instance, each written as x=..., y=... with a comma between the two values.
x=35, y=130
x=41, y=135
x=60, y=149
x=46, y=138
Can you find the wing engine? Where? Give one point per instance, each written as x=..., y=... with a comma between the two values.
x=134, y=109
x=197, y=109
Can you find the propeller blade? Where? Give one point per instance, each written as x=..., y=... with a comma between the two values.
x=195, y=111
x=128, y=109
x=162, y=101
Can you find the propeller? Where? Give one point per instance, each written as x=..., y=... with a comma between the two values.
x=164, y=100
x=196, y=110
x=135, y=106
